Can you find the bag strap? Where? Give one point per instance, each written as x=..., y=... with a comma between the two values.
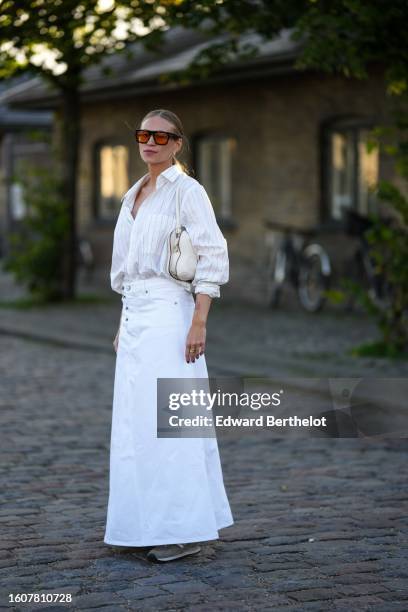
x=178, y=226
x=178, y=207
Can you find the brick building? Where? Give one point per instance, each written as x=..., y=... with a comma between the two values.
x=267, y=142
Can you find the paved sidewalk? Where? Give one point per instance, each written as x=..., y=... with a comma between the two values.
x=242, y=339
x=320, y=524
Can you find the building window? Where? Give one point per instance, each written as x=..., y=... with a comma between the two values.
x=112, y=169
x=351, y=170
x=214, y=163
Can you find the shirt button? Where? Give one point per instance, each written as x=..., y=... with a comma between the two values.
x=123, y=286
x=126, y=307
x=126, y=318
x=128, y=287
x=146, y=291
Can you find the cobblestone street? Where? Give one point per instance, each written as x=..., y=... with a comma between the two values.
x=320, y=524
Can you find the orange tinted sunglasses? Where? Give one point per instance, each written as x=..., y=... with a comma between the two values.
x=160, y=137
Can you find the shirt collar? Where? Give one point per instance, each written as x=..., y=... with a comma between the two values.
x=170, y=174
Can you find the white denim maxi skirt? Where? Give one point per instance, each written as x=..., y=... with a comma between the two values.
x=161, y=490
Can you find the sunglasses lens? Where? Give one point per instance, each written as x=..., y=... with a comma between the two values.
x=142, y=136
x=161, y=138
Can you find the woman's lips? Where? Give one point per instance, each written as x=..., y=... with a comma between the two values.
x=149, y=152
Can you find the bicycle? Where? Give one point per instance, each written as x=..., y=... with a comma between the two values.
x=295, y=259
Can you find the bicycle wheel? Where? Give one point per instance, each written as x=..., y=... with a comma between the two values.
x=276, y=275
x=379, y=289
x=314, y=277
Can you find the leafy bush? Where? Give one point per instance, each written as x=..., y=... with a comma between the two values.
x=38, y=246
x=389, y=249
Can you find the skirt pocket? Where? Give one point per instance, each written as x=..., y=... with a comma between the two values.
x=158, y=310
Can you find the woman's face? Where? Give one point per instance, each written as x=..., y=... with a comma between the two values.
x=150, y=152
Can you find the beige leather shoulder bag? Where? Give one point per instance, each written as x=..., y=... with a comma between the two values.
x=182, y=259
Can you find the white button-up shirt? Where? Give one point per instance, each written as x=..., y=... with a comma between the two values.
x=140, y=245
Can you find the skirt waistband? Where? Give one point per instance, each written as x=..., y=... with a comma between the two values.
x=143, y=285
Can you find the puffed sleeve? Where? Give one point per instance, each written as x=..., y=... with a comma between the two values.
x=197, y=214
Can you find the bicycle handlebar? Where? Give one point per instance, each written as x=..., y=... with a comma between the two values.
x=328, y=227
x=285, y=228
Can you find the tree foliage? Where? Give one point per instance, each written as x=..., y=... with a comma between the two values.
x=60, y=38
x=37, y=255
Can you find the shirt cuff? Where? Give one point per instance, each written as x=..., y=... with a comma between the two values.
x=116, y=285
x=211, y=289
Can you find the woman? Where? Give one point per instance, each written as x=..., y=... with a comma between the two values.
x=163, y=492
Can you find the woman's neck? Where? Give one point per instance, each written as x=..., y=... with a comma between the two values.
x=154, y=171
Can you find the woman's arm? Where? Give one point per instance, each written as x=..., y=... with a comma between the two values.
x=197, y=334
x=212, y=266
x=198, y=216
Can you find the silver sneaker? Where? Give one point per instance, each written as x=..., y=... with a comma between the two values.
x=168, y=552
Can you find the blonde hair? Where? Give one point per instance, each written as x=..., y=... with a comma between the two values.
x=175, y=121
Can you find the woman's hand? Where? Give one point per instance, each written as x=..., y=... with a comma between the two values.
x=195, y=345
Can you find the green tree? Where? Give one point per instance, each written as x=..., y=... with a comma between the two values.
x=59, y=40
x=336, y=36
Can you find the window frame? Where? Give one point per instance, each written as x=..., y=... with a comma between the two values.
x=225, y=218
x=328, y=127
x=97, y=147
